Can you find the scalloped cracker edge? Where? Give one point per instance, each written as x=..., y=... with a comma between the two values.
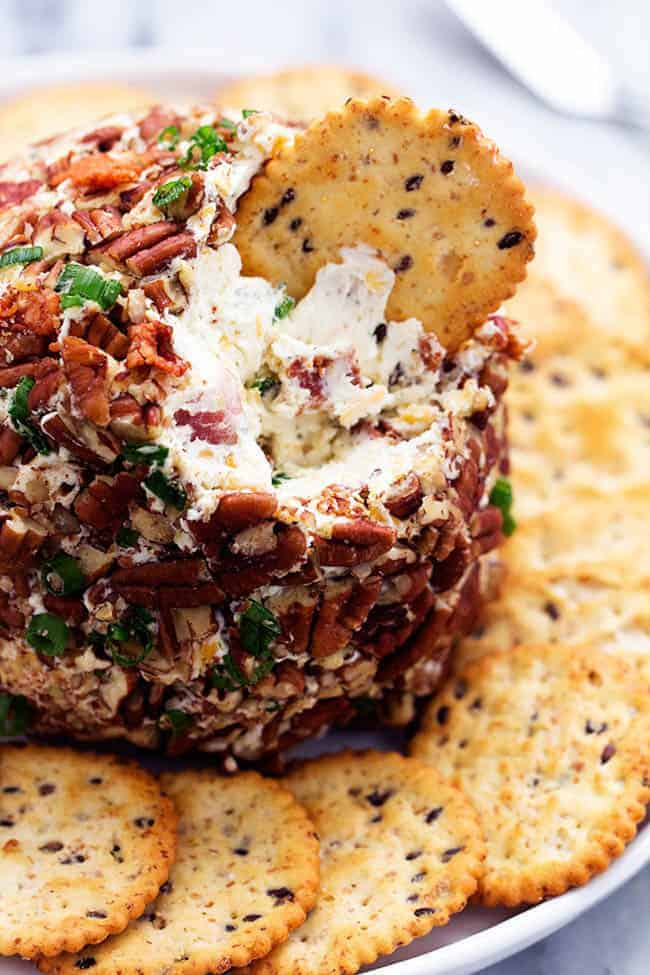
x=85, y=842
x=401, y=851
x=246, y=873
x=551, y=744
x=429, y=193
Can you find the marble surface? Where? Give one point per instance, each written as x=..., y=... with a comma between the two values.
x=421, y=46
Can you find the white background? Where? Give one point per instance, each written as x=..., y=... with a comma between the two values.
x=419, y=45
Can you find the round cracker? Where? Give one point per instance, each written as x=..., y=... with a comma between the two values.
x=427, y=192
x=592, y=262
x=303, y=93
x=85, y=842
x=401, y=851
x=42, y=112
x=551, y=744
x=246, y=873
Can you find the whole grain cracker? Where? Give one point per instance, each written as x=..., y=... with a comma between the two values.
x=303, y=93
x=428, y=192
x=85, y=842
x=612, y=616
x=401, y=851
x=551, y=744
x=246, y=873
x=42, y=112
x=593, y=262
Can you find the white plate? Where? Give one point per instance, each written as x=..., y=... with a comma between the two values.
x=477, y=937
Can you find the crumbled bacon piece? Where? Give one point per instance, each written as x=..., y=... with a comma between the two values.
x=215, y=427
x=12, y=193
x=311, y=377
x=35, y=310
x=95, y=173
x=151, y=345
x=86, y=369
x=17, y=346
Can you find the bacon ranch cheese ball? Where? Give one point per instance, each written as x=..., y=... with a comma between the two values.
x=229, y=520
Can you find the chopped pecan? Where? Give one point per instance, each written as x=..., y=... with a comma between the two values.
x=296, y=623
x=222, y=227
x=10, y=444
x=99, y=331
x=288, y=673
x=158, y=292
x=343, y=610
x=10, y=615
x=168, y=640
x=58, y=235
x=105, y=137
x=72, y=610
x=181, y=572
x=239, y=576
x=98, y=455
x=100, y=223
x=12, y=375
x=18, y=346
x=20, y=539
x=157, y=257
x=447, y=573
x=133, y=241
x=353, y=542
x=186, y=597
x=324, y=713
x=486, y=530
x=94, y=173
x=44, y=389
x=104, y=503
x=35, y=310
x=86, y=368
x=159, y=118
x=151, y=345
x=237, y=510
x=405, y=497
x=423, y=645
x=16, y=192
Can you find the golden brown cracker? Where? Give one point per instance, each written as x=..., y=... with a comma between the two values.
x=246, y=873
x=551, y=745
x=85, y=842
x=428, y=192
x=401, y=851
x=44, y=112
x=303, y=93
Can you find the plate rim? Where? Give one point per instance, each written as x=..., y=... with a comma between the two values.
x=202, y=65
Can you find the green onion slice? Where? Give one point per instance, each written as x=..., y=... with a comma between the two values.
x=21, y=416
x=48, y=634
x=258, y=628
x=179, y=720
x=20, y=255
x=62, y=575
x=227, y=123
x=126, y=537
x=247, y=112
x=169, y=137
x=78, y=283
x=501, y=497
x=284, y=308
x=168, y=193
x=145, y=453
x=163, y=488
x=279, y=478
x=16, y=714
x=134, y=627
x=203, y=145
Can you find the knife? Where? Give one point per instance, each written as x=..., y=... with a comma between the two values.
x=547, y=55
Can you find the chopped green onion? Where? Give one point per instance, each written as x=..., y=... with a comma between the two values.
x=227, y=676
x=168, y=193
x=247, y=112
x=258, y=628
x=264, y=384
x=16, y=714
x=163, y=488
x=48, y=634
x=285, y=308
x=134, y=626
x=169, y=137
x=179, y=720
x=226, y=123
x=272, y=706
x=279, y=478
x=203, y=145
x=145, y=453
x=126, y=537
x=78, y=283
x=62, y=575
x=501, y=497
x=20, y=255
x=20, y=416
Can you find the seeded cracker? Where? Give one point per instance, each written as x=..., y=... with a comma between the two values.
x=428, y=192
x=552, y=746
x=303, y=93
x=246, y=873
x=401, y=851
x=85, y=842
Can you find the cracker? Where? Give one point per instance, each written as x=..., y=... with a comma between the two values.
x=85, y=842
x=428, y=192
x=558, y=608
x=43, y=112
x=592, y=262
x=551, y=744
x=246, y=873
x=401, y=851
x=302, y=94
